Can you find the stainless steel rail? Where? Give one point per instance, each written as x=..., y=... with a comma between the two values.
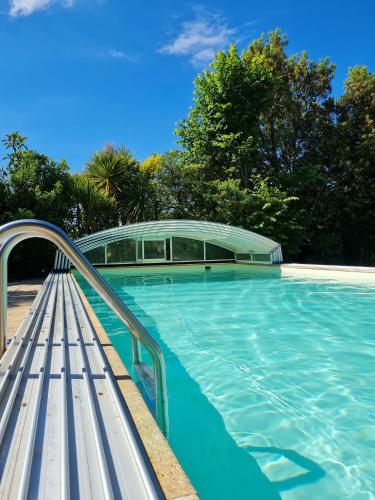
x=5, y=251
x=14, y=232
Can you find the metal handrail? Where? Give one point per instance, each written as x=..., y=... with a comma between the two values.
x=14, y=232
x=5, y=251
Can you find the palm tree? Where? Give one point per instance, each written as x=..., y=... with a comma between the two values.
x=94, y=209
x=134, y=207
x=110, y=168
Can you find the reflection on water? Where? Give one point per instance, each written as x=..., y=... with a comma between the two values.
x=271, y=380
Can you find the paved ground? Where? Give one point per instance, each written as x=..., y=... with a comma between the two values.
x=20, y=298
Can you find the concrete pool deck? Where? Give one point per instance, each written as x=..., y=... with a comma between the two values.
x=20, y=298
x=347, y=274
x=324, y=267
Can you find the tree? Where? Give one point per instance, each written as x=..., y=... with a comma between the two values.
x=4, y=196
x=94, y=209
x=16, y=143
x=154, y=196
x=353, y=172
x=239, y=135
x=114, y=170
x=19, y=213
x=41, y=185
x=153, y=164
x=222, y=129
x=263, y=208
x=110, y=168
x=34, y=185
x=291, y=125
x=180, y=188
x=265, y=113
x=296, y=134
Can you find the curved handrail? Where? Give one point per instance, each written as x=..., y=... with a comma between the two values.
x=5, y=251
x=31, y=228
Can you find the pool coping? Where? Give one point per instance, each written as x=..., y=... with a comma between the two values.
x=21, y=295
x=172, y=479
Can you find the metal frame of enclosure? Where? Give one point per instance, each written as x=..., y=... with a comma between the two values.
x=156, y=242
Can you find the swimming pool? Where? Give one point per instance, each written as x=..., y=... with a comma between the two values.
x=271, y=380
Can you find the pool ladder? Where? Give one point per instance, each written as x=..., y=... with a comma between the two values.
x=14, y=232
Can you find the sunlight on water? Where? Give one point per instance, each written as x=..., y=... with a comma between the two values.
x=271, y=380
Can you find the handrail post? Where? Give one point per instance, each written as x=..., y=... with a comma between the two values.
x=5, y=250
x=4, y=298
x=31, y=228
x=136, y=351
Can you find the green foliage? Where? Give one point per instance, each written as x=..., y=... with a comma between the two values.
x=152, y=164
x=183, y=190
x=41, y=185
x=19, y=213
x=94, y=209
x=263, y=208
x=259, y=207
x=110, y=168
x=353, y=170
x=293, y=124
x=135, y=206
x=33, y=185
x=222, y=130
x=118, y=173
x=267, y=135
x=15, y=143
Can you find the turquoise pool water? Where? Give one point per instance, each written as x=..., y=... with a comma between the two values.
x=271, y=380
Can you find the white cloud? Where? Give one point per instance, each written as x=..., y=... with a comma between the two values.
x=119, y=54
x=201, y=38
x=27, y=7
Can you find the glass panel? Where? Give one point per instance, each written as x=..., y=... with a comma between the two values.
x=261, y=257
x=139, y=243
x=213, y=252
x=154, y=249
x=168, y=249
x=96, y=256
x=121, y=251
x=243, y=256
x=187, y=249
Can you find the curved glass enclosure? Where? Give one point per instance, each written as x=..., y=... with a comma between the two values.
x=175, y=241
x=146, y=250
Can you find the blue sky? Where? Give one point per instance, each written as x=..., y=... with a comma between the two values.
x=78, y=74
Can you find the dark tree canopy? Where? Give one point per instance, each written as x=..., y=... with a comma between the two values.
x=265, y=118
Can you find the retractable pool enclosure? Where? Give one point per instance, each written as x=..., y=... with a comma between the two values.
x=176, y=241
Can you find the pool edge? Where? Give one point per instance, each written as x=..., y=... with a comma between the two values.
x=326, y=267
